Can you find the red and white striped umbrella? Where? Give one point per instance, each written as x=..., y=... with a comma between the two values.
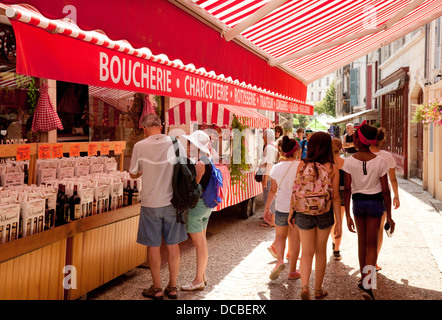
x=45, y=117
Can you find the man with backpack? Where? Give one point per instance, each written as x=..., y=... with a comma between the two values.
x=153, y=158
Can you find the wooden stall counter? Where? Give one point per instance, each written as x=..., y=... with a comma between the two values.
x=98, y=248
x=68, y=261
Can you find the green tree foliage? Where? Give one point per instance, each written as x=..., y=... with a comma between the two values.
x=328, y=104
x=303, y=120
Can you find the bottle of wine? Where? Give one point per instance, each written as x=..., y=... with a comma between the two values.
x=25, y=171
x=58, y=207
x=75, y=205
x=126, y=193
x=135, y=193
x=48, y=216
x=65, y=207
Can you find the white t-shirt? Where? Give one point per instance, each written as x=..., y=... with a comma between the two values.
x=155, y=157
x=288, y=170
x=269, y=157
x=370, y=183
x=387, y=156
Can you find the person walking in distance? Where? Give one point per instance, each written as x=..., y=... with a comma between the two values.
x=348, y=140
x=269, y=158
x=282, y=177
x=366, y=182
x=278, y=132
x=153, y=159
x=380, y=138
x=198, y=217
x=339, y=162
x=315, y=206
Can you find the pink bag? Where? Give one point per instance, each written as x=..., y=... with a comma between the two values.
x=312, y=190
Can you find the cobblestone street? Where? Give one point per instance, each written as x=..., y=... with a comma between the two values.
x=240, y=264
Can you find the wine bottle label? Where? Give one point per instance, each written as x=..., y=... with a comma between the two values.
x=77, y=211
x=40, y=224
x=28, y=227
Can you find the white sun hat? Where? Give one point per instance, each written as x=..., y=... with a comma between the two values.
x=200, y=139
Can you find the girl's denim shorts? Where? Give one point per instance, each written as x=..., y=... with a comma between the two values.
x=368, y=208
x=321, y=221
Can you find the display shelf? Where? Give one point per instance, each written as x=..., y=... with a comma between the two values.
x=100, y=247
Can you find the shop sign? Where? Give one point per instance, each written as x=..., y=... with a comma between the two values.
x=59, y=57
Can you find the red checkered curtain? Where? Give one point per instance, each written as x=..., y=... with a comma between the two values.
x=45, y=117
x=148, y=108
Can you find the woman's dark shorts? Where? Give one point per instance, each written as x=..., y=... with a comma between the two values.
x=368, y=208
x=321, y=221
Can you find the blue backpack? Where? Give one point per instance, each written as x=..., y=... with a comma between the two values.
x=213, y=195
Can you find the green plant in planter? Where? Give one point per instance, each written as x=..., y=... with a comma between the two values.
x=238, y=170
x=28, y=83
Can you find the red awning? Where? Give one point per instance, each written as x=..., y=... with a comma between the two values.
x=211, y=113
x=314, y=38
x=58, y=49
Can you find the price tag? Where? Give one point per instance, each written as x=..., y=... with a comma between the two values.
x=23, y=153
x=57, y=151
x=44, y=151
x=92, y=149
x=74, y=150
x=104, y=148
x=118, y=149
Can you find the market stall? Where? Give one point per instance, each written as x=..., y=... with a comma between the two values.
x=68, y=260
x=217, y=120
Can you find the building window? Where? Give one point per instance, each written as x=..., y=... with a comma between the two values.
x=319, y=96
x=437, y=51
x=313, y=97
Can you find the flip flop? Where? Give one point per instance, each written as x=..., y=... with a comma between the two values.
x=276, y=271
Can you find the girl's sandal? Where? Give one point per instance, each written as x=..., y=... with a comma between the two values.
x=168, y=293
x=319, y=294
x=151, y=293
x=305, y=294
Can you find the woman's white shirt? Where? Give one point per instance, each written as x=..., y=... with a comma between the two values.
x=288, y=170
x=369, y=183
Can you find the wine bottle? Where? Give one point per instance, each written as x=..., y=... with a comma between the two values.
x=135, y=193
x=66, y=207
x=126, y=194
x=25, y=171
x=75, y=205
x=48, y=216
x=58, y=207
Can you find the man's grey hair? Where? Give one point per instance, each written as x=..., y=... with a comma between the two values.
x=350, y=125
x=150, y=120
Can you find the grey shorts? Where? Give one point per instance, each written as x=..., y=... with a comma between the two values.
x=321, y=221
x=281, y=218
x=158, y=223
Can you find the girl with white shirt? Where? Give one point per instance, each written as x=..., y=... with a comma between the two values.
x=367, y=183
x=282, y=177
x=388, y=157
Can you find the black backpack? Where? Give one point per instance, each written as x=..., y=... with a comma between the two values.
x=186, y=191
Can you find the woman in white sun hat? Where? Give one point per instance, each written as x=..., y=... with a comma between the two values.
x=199, y=146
